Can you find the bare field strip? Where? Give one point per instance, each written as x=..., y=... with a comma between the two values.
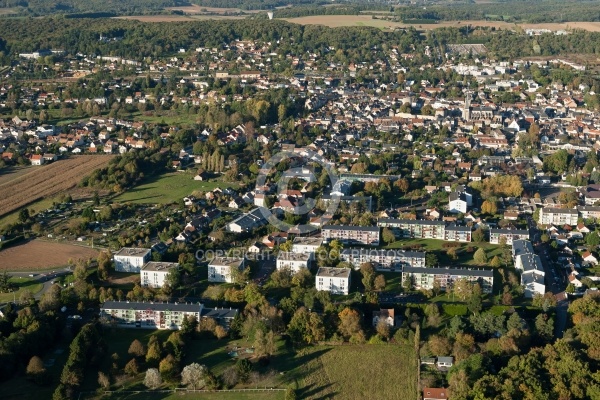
x=196, y=9
x=177, y=18
x=38, y=255
x=45, y=181
x=366, y=20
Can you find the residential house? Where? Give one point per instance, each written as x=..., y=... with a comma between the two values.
x=37, y=159
x=445, y=362
x=384, y=314
x=589, y=258
x=333, y=280
x=435, y=394
x=247, y=222
x=130, y=259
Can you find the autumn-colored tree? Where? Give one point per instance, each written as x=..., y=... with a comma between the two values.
x=349, y=322
x=137, y=349
x=383, y=329
x=132, y=368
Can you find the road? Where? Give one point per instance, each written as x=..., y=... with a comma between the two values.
x=44, y=277
x=555, y=277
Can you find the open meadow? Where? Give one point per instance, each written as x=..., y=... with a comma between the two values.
x=367, y=20
x=168, y=188
x=32, y=184
x=37, y=255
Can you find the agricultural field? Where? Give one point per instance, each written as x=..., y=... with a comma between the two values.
x=367, y=20
x=356, y=372
x=168, y=188
x=37, y=255
x=196, y=9
x=46, y=181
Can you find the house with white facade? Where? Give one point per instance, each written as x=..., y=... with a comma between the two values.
x=510, y=234
x=531, y=268
x=131, y=259
x=383, y=260
x=154, y=273
x=333, y=280
x=220, y=268
x=308, y=245
x=426, y=278
x=364, y=235
x=384, y=314
x=558, y=216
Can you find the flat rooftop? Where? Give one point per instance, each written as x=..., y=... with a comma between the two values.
x=132, y=252
x=226, y=261
x=159, y=266
x=334, y=272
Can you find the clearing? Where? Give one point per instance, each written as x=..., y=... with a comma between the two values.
x=45, y=181
x=367, y=20
x=37, y=255
x=21, y=284
x=168, y=188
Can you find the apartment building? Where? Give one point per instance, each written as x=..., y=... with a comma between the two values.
x=153, y=274
x=154, y=315
x=510, y=234
x=365, y=235
x=293, y=261
x=383, y=260
x=220, y=268
x=131, y=259
x=558, y=216
x=424, y=278
x=333, y=280
x=586, y=212
x=308, y=245
x=531, y=268
x=423, y=229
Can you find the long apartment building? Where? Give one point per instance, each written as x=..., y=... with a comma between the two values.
x=362, y=235
x=155, y=315
x=530, y=266
x=558, y=216
x=424, y=278
x=383, y=260
x=423, y=229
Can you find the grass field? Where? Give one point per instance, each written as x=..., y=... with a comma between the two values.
x=168, y=188
x=436, y=246
x=355, y=372
x=45, y=181
x=37, y=255
x=277, y=395
x=367, y=20
x=21, y=284
x=176, y=18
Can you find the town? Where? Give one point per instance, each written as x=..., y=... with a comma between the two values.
x=228, y=209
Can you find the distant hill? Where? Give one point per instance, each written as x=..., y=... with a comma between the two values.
x=90, y=8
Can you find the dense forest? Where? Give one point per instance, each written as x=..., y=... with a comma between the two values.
x=115, y=7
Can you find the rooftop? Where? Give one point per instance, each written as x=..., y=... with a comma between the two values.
x=227, y=261
x=334, y=272
x=159, y=266
x=132, y=252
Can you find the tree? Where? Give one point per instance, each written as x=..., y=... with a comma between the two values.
x=496, y=262
x=132, y=368
x=36, y=370
x=349, y=322
x=489, y=207
x=243, y=367
x=475, y=301
x=379, y=282
x=402, y=185
x=408, y=283
x=220, y=332
x=103, y=380
x=478, y=235
x=383, y=329
x=193, y=375
x=431, y=260
x=388, y=236
x=264, y=344
x=23, y=215
x=136, y=349
x=152, y=380
x=480, y=256
x=153, y=354
x=592, y=239
x=367, y=271
x=168, y=367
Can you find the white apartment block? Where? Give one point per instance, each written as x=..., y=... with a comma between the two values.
x=558, y=216
x=365, y=235
x=424, y=278
x=510, y=235
x=293, y=261
x=306, y=245
x=154, y=273
x=130, y=259
x=219, y=269
x=383, y=260
x=333, y=280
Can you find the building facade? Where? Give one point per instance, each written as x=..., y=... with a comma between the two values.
x=423, y=229
x=365, y=235
x=130, y=259
x=220, y=268
x=425, y=278
x=333, y=280
x=154, y=315
x=558, y=216
x=293, y=261
x=153, y=274
x=510, y=234
x=383, y=260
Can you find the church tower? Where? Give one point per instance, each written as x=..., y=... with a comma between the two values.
x=466, y=112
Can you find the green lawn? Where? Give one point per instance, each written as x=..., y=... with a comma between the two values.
x=36, y=206
x=21, y=284
x=278, y=395
x=354, y=372
x=436, y=246
x=168, y=188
